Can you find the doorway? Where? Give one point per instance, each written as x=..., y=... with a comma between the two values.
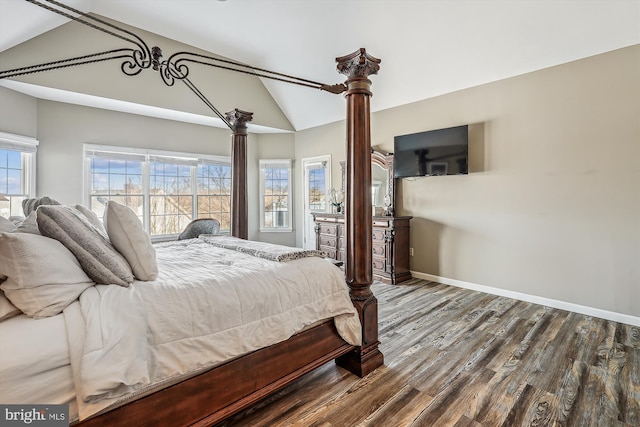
x=316, y=182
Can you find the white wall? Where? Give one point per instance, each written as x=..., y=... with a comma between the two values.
x=272, y=146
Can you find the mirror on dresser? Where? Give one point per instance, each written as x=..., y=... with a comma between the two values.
x=390, y=233
x=382, y=183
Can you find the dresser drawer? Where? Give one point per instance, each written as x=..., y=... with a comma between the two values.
x=378, y=235
x=379, y=250
x=327, y=240
x=331, y=252
x=330, y=229
x=381, y=222
x=379, y=264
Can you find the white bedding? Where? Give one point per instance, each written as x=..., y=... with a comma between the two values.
x=207, y=306
x=34, y=362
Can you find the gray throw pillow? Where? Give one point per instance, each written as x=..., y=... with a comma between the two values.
x=92, y=248
x=30, y=205
x=92, y=217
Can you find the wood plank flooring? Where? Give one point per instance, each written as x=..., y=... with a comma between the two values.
x=455, y=357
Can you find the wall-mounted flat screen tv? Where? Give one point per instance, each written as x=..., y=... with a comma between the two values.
x=432, y=153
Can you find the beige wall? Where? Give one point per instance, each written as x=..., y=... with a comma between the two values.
x=552, y=206
x=18, y=113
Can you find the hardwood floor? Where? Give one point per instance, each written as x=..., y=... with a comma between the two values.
x=455, y=357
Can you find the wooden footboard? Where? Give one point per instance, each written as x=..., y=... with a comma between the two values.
x=216, y=394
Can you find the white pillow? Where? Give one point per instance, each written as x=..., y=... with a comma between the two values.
x=43, y=277
x=6, y=226
x=128, y=236
x=7, y=310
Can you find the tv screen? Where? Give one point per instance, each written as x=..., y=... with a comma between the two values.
x=432, y=153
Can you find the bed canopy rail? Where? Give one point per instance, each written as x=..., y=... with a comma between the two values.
x=357, y=67
x=138, y=57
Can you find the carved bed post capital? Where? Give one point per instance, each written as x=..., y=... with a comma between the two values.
x=358, y=224
x=239, y=206
x=359, y=64
x=239, y=120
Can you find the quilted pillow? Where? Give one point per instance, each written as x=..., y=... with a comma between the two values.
x=43, y=277
x=127, y=235
x=92, y=217
x=30, y=205
x=96, y=255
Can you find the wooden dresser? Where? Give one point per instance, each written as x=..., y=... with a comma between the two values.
x=390, y=244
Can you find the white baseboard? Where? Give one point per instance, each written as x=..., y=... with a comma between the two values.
x=562, y=305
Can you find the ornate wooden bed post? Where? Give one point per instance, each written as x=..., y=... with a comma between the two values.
x=239, y=207
x=357, y=67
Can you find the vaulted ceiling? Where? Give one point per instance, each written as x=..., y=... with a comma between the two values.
x=428, y=47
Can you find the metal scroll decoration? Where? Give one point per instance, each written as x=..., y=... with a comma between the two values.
x=136, y=58
x=139, y=57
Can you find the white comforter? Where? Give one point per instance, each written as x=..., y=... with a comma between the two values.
x=207, y=306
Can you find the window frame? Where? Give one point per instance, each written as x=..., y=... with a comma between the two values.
x=28, y=147
x=194, y=160
x=263, y=165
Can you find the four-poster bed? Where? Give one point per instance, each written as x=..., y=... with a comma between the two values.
x=209, y=397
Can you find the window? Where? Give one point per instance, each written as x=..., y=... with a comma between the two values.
x=214, y=192
x=275, y=191
x=17, y=172
x=166, y=190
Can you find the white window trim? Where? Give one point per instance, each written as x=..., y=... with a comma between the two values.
x=325, y=163
x=191, y=158
x=25, y=144
x=264, y=163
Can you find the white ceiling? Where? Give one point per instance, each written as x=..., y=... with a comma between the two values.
x=428, y=47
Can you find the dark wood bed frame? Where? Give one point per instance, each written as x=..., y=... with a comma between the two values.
x=212, y=396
